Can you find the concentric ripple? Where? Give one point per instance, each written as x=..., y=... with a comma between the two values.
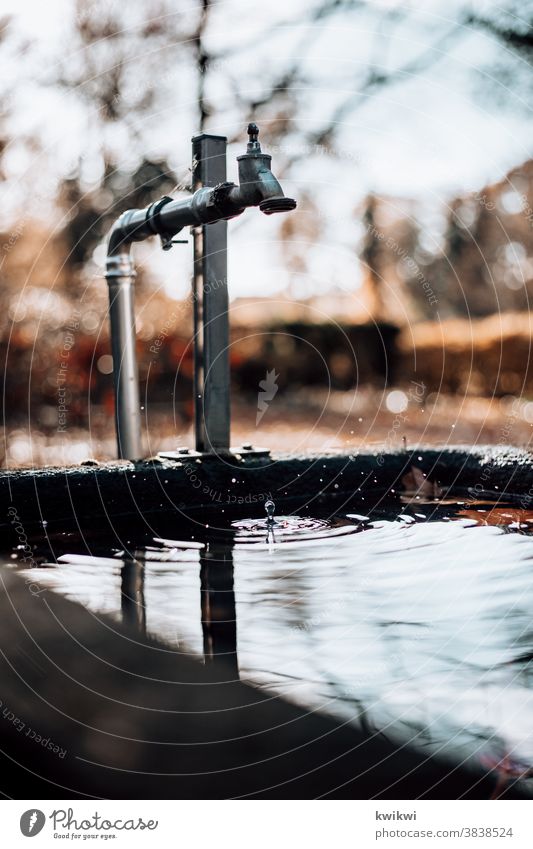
x=287, y=529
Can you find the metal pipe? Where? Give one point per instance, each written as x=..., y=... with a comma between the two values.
x=210, y=205
x=211, y=306
x=120, y=276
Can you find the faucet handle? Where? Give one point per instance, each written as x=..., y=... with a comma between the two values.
x=253, y=145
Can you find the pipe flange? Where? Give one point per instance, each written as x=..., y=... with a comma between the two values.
x=152, y=215
x=119, y=266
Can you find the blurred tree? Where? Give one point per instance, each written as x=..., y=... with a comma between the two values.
x=486, y=263
x=371, y=255
x=124, y=60
x=5, y=100
x=131, y=67
x=114, y=71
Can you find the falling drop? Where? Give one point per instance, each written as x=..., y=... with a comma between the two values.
x=270, y=509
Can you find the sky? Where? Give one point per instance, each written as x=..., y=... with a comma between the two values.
x=427, y=136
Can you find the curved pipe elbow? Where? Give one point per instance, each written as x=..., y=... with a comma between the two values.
x=132, y=226
x=117, y=241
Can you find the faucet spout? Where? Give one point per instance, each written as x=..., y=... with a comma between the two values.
x=257, y=184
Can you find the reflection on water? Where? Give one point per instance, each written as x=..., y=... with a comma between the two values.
x=419, y=628
x=132, y=595
x=219, y=618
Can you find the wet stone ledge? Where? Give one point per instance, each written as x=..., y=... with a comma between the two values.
x=194, y=486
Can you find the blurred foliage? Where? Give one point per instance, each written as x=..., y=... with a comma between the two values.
x=90, y=214
x=121, y=67
x=125, y=61
x=483, y=265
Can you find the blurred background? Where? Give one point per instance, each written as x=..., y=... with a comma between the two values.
x=391, y=308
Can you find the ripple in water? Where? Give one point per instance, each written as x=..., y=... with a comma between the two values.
x=287, y=529
x=420, y=629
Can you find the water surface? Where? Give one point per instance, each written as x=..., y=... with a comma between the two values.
x=413, y=619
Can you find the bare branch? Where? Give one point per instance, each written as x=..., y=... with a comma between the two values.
x=376, y=80
x=519, y=40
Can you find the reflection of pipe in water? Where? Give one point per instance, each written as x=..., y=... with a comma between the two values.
x=219, y=621
x=132, y=595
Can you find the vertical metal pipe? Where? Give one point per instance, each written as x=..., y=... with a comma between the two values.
x=211, y=305
x=198, y=338
x=120, y=276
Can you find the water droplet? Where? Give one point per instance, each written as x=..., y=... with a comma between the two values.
x=270, y=509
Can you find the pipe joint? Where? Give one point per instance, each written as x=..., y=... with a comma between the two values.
x=119, y=266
